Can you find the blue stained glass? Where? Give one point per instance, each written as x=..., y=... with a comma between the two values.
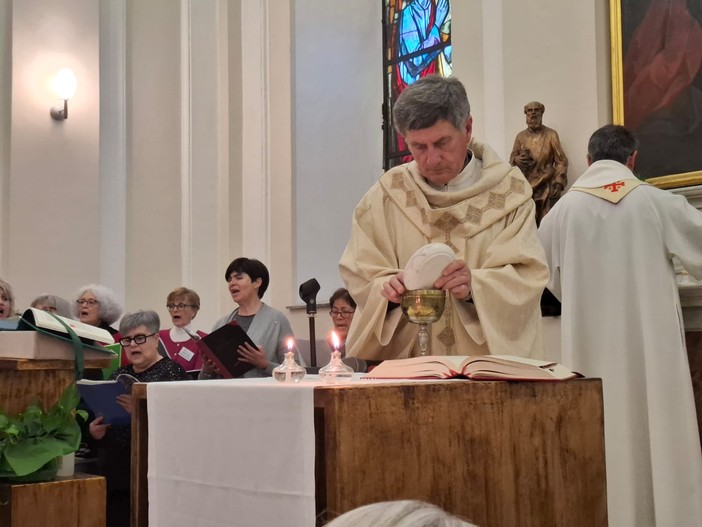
x=417, y=40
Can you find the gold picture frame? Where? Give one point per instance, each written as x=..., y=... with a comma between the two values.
x=624, y=17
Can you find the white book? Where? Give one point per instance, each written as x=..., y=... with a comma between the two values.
x=42, y=319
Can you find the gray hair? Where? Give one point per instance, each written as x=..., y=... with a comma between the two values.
x=430, y=100
x=147, y=318
x=61, y=305
x=612, y=141
x=6, y=289
x=109, y=309
x=403, y=513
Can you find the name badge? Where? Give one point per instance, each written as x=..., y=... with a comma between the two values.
x=186, y=353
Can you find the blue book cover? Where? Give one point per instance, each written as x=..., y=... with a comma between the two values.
x=101, y=398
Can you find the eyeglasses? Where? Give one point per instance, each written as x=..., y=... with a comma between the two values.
x=89, y=303
x=179, y=307
x=136, y=339
x=342, y=314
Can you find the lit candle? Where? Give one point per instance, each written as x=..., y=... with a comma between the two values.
x=288, y=359
x=335, y=340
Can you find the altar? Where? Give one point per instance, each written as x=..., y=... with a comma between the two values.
x=496, y=453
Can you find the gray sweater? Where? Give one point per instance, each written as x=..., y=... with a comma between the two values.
x=269, y=329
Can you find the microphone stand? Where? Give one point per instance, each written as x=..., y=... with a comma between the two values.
x=308, y=293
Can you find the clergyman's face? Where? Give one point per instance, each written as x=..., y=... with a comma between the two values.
x=533, y=113
x=440, y=150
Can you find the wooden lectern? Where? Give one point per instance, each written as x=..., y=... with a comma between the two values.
x=65, y=502
x=527, y=454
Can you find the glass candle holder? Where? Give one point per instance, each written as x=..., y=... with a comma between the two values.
x=289, y=371
x=336, y=371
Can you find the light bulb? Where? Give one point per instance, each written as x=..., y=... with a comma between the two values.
x=64, y=84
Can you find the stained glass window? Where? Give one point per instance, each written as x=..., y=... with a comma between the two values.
x=417, y=43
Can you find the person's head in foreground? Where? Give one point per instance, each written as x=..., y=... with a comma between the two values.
x=402, y=513
x=615, y=143
x=139, y=340
x=7, y=300
x=182, y=304
x=433, y=115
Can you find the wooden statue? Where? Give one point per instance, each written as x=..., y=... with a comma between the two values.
x=538, y=153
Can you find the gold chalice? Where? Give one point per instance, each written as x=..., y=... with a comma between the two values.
x=423, y=307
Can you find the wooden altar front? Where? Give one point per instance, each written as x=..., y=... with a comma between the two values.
x=497, y=453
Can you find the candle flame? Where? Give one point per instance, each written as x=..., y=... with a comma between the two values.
x=335, y=340
x=291, y=344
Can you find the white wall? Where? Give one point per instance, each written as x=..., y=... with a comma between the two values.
x=338, y=88
x=5, y=110
x=511, y=52
x=52, y=227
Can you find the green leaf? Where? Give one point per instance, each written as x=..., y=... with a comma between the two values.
x=32, y=440
x=69, y=398
x=30, y=455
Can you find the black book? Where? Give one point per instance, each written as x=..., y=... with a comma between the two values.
x=221, y=347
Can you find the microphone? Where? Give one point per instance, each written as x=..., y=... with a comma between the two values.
x=308, y=294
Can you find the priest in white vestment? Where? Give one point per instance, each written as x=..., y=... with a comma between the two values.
x=460, y=193
x=610, y=242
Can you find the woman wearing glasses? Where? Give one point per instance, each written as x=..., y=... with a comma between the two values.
x=183, y=305
x=139, y=343
x=97, y=305
x=342, y=309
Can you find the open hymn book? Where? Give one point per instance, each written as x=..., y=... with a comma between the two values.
x=47, y=321
x=478, y=367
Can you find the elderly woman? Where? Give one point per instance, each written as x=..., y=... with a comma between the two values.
x=7, y=300
x=97, y=305
x=139, y=341
x=183, y=304
x=52, y=304
x=247, y=280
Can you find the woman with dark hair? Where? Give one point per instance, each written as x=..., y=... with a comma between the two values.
x=247, y=280
x=341, y=310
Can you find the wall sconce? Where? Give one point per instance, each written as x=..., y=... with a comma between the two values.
x=64, y=85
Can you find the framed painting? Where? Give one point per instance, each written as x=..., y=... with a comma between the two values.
x=657, y=86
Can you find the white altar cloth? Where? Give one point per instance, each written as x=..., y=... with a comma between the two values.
x=231, y=452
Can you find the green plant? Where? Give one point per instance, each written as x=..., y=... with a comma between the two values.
x=31, y=442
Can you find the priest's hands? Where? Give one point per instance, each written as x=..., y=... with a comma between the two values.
x=456, y=278
x=393, y=288
x=253, y=355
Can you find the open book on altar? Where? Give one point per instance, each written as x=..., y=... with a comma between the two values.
x=478, y=367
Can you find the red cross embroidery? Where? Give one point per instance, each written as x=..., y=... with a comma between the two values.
x=614, y=187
